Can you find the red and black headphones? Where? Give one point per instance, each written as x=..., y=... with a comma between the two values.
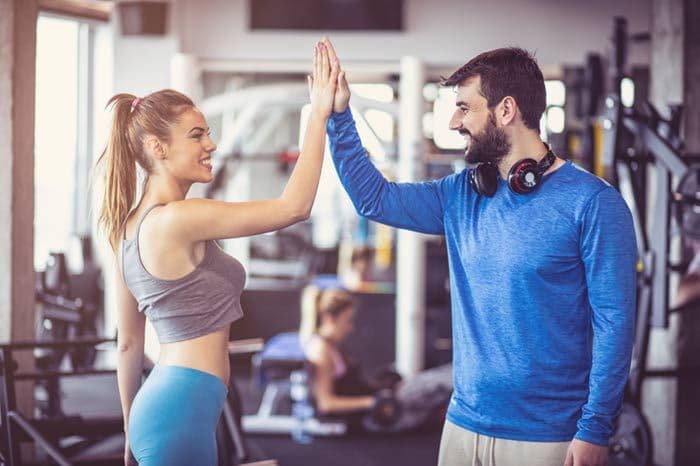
x=523, y=177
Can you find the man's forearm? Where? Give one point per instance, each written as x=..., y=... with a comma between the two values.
x=608, y=376
x=360, y=178
x=412, y=206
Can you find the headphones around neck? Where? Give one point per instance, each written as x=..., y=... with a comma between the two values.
x=523, y=177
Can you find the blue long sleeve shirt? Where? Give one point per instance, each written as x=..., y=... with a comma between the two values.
x=543, y=292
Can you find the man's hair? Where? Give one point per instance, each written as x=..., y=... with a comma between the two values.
x=509, y=71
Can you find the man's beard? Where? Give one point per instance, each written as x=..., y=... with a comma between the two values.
x=491, y=145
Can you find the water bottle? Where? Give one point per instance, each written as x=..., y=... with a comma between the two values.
x=302, y=411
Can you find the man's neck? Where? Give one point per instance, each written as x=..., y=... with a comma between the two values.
x=524, y=146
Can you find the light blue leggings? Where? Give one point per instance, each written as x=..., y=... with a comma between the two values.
x=173, y=417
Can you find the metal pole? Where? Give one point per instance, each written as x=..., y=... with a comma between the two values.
x=8, y=403
x=410, y=261
x=40, y=439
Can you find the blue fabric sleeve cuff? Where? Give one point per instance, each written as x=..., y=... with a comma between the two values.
x=337, y=119
x=597, y=438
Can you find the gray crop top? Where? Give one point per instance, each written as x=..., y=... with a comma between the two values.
x=204, y=300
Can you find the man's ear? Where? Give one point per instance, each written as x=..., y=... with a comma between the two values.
x=155, y=148
x=506, y=111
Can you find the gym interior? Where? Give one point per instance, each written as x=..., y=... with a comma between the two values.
x=621, y=79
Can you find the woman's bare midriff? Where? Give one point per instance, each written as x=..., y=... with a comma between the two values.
x=208, y=353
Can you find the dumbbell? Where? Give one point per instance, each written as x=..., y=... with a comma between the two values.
x=387, y=379
x=386, y=410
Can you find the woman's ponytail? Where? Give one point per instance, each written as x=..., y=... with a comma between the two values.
x=119, y=158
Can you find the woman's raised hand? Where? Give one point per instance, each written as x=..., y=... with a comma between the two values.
x=323, y=81
x=342, y=90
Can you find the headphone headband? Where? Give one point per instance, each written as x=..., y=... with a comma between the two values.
x=547, y=161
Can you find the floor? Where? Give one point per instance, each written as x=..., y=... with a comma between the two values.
x=97, y=396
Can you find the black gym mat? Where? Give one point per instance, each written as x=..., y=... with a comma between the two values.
x=417, y=449
x=414, y=449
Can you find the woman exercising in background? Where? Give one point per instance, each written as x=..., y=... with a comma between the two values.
x=170, y=269
x=338, y=385
x=327, y=321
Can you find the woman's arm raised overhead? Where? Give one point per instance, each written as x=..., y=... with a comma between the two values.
x=205, y=219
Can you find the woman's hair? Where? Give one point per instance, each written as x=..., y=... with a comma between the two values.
x=361, y=253
x=316, y=302
x=132, y=120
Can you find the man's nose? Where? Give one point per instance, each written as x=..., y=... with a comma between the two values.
x=455, y=122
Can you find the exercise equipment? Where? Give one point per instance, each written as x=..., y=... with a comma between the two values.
x=75, y=440
x=387, y=378
x=593, y=85
x=272, y=369
x=48, y=433
x=635, y=141
x=67, y=308
x=423, y=401
x=641, y=146
x=386, y=410
x=55, y=287
x=408, y=405
x=232, y=448
x=687, y=203
x=630, y=444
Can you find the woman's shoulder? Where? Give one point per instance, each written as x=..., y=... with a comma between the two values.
x=182, y=216
x=158, y=235
x=318, y=350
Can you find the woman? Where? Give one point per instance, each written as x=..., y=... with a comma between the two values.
x=327, y=321
x=170, y=269
x=339, y=388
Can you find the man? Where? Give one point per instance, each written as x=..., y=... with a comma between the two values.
x=542, y=266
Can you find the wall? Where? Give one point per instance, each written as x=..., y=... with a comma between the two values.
x=440, y=32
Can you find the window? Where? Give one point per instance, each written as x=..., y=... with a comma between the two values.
x=55, y=134
x=66, y=83
x=554, y=118
x=443, y=108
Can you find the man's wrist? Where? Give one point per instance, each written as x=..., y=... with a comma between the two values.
x=595, y=438
x=341, y=112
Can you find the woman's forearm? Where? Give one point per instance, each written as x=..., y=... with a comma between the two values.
x=344, y=404
x=301, y=188
x=129, y=374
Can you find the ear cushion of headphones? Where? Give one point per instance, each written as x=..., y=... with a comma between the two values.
x=484, y=179
x=524, y=177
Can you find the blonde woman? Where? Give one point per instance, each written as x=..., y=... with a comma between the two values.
x=328, y=319
x=170, y=270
